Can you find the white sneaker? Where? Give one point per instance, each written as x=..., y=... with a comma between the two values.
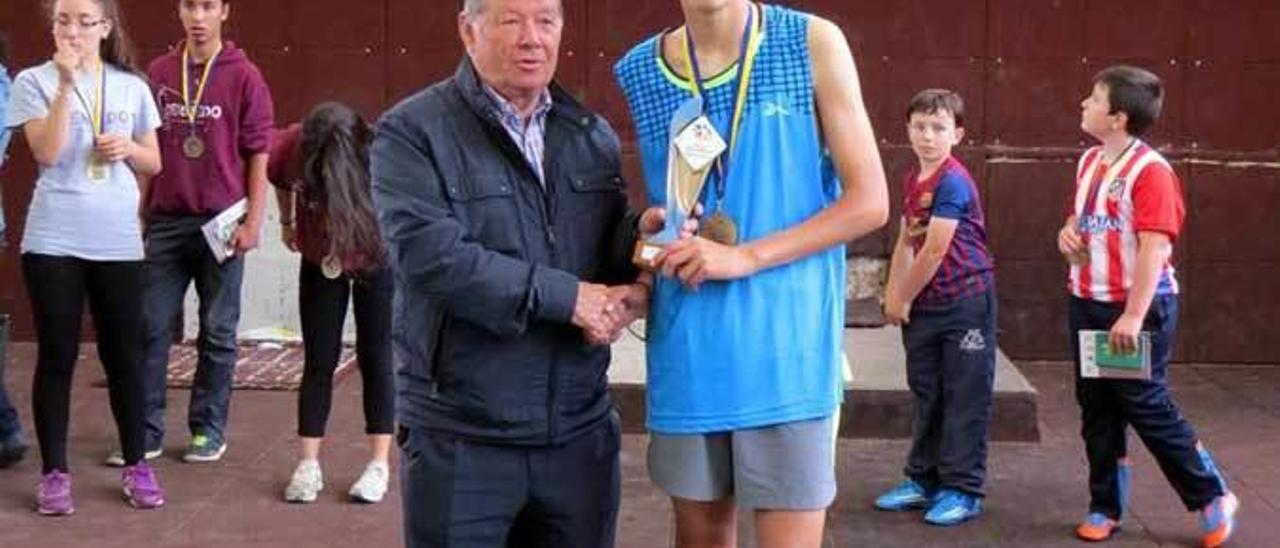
x=116, y=457
x=306, y=483
x=372, y=485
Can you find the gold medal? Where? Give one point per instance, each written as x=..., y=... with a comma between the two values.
x=1080, y=257
x=331, y=267
x=720, y=229
x=98, y=171
x=193, y=147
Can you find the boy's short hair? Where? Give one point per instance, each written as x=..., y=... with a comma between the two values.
x=930, y=101
x=1137, y=92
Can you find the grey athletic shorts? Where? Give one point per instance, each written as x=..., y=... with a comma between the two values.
x=789, y=466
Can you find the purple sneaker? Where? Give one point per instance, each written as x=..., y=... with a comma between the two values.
x=53, y=496
x=140, y=486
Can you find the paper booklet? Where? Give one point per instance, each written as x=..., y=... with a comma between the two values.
x=219, y=230
x=1097, y=361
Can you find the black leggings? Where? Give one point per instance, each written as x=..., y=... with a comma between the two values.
x=323, y=305
x=57, y=287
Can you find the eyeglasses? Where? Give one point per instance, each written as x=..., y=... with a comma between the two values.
x=82, y=24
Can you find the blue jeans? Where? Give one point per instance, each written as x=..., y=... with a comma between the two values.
x=951, y=363
x=1108, y=406
x=9, y=424
x=176, y=256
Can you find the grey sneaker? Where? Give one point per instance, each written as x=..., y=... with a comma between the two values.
x=116, y=457
x=306, y=483
x=204, y=449
x=372, y=485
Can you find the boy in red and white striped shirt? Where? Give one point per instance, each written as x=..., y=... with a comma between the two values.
x=1127, y=212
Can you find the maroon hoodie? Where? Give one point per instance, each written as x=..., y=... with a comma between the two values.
x=234, y=120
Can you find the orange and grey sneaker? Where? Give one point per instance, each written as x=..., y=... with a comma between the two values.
x=1218, y=520
x=1097, y=528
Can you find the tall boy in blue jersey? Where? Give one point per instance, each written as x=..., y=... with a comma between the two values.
x=744, y=333
x=941, y=291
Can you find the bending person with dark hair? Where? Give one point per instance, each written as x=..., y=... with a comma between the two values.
x=91, y=125
x=322, y=170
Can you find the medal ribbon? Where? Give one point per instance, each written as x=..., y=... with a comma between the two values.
x=193, y=108
x=97, y=111
x=1096, y=188
x=751, y=38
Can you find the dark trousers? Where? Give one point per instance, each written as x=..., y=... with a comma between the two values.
x=1108, y=405
x=177, y=255
x=461, y=494
x=57, y=287
x=951, y=357
x=322, y=304
x=9, y=425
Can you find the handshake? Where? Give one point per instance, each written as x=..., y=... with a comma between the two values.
x=604, y=311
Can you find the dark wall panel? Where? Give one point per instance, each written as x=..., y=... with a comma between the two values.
x=1114, y=32
x=1231, y=105
x=1236, y=311
x=1233, y=217
x=1022, y=66
x=1026, y=205
x=1035, y=102
x=1037, y=30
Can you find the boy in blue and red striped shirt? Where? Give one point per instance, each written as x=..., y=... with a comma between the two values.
x=941, y=291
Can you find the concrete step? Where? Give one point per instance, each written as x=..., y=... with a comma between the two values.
x=878, y=403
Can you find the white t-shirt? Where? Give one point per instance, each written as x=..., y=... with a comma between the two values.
x=70, y=215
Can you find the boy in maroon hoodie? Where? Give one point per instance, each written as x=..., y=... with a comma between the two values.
x=214, y=138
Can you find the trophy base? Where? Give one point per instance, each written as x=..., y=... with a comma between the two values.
x=645, y=254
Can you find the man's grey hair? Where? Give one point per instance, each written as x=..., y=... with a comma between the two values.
x=472, y=8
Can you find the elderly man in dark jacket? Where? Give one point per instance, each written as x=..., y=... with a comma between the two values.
x=502, y=202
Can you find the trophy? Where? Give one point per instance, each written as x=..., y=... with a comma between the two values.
x=695, y=145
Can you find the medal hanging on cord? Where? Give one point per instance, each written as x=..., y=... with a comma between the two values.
x=720, y=227
x=193, y=147
x=98, y=170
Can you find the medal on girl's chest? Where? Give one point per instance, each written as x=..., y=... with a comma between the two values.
x=97, y=170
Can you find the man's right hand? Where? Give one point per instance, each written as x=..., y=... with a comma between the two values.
x=589, y=311
x=603, y=312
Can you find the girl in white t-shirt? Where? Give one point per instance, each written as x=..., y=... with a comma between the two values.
x=90, y=122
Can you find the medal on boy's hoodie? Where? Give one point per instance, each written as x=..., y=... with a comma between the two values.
x=97, y=169
x=720, y=227
x=193, y=146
